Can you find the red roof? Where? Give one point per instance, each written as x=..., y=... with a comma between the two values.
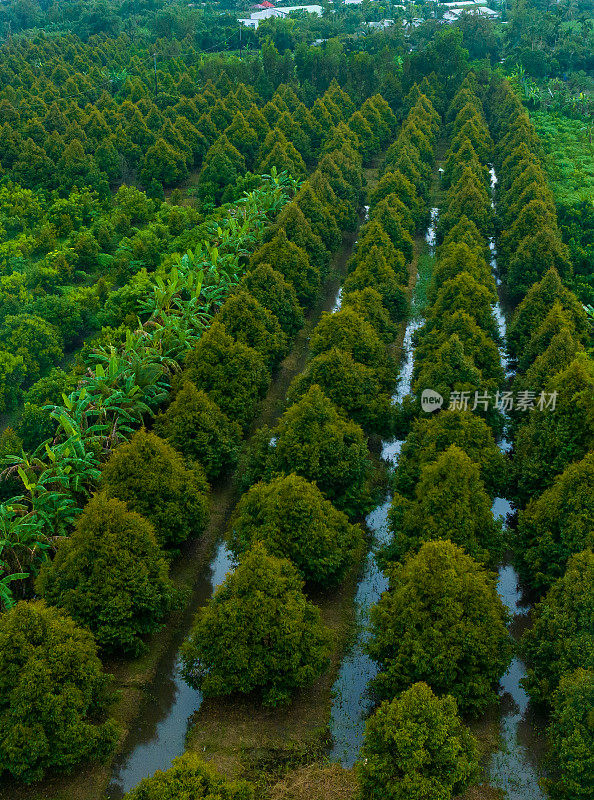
x=266, y=4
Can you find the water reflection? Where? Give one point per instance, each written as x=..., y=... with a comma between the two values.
x=159, y=733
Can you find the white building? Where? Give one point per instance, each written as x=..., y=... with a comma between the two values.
x=281, y=11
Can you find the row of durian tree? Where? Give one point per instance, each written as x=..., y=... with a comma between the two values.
x=76, y=264
x=553, y=452
x=439, y=632
x=197, y=379
x=307, y=480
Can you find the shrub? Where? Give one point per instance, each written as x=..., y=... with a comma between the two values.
x=450, y=503
x=190, y=778
x=291, y=517
x=110, y=576
x=197, y=427
x=572, y=736
x=316, y=441
x=259, y=633
x=416, y=747
x=250, y=323
x=442, y=622
x=433, y=435
x=151, y=478
x=276, y=294
x=231, y=373
x=53, y=693
x=562, y=637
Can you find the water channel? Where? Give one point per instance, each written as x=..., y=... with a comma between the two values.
x=159, y=733
x=351, y=700
x=514, y=768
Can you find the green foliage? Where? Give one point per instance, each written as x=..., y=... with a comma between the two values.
x=536, y=305
x=351, y=386
x=151, y=477
x=12, y=375
x=549, y=440
x=231, y=373
x=259, y=633
x=276, y=294
x=572, y=736
x=442, y=622
x=562, y=637
x=298, y=230
x=431, y=436
x=250, y=323
x=416, y=747
x=190, y=778
x=348, y=331
x=291, y=517
x=316, y=441
x=53, y=693
x=196, y=426
x=293, y=263
x=450, y=503
x=368, y=304
x=375, y=272
x=110, y=576
x=223, y=164
x=35, y=341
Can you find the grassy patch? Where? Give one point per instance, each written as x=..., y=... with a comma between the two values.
x=569, y=147
x=424, y=271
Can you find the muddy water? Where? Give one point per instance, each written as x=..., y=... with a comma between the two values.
x=351, y=699
x=160, y=733
x=514, y=768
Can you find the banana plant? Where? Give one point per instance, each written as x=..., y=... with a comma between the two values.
x=123, y=386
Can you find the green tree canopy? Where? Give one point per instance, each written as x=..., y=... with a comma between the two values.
x=252, y=324
x=558, y=524
x=34, y=340
x=110, y=576
x=450, y=503
x=197, y=427
x=441, y=621
x=151, y=477
x=291, y=517
x=550, y=439
x=433, y=435
x=368, y=303
x=53, y=694
x=417, y=747
x=293, y=263
x=572, y=736
x=316, y=441
x=231, y=373
x=350, y=385
x=190, y=778
x=259, y=633
x=276, y=294
x=349, y=331
x=562, y=637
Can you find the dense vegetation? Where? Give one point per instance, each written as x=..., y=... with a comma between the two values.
x=169, y=220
